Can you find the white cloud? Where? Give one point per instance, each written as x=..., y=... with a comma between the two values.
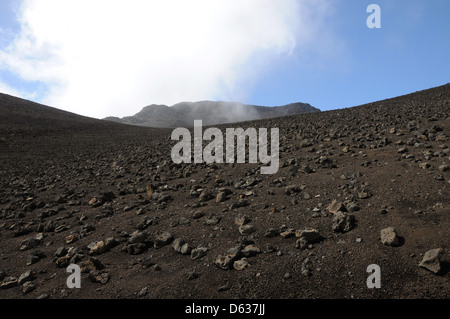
x=112, y=57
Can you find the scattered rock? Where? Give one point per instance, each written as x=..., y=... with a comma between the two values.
x=389, y=237
x=246, y=229
x=162, y=239
x=97, y=248
x=142, y=293
x=205, y=196
x=92, y=263
x=135, y=249
x=9, y=282
x=35, y=257
x=271, y=232
x=224, y=262
x=432, y=260
x=198, y=214
x=221, y=197
x=26, y=276
x=137, y=237
x=192, y=275
x=181, y=246
x=343, y=222
x=288, y=233
x=240, y=264
x=336, y=206
x=29, y=244
x=306, y=268
x=28, y=287
x=99, y=276
x=307, y=237
x=241, y=219
x=250, y=250
x=198, y=252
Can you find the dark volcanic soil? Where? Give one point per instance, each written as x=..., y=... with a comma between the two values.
x=108, y=198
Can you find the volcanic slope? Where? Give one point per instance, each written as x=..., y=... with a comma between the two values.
x=108, y=198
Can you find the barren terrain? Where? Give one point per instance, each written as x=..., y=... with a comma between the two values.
x=108, y=197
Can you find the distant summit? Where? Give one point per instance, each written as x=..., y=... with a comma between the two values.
x=212, y=113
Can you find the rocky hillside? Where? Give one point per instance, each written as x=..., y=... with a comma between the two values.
x=212, y=113
x=357, y=187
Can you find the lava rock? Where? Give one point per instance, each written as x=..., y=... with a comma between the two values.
x=162, y=239
x=389, y=237
x=343, y=222
x=432, y=260
x=336, y=206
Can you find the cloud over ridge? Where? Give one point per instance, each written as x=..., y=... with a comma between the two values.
x=103, y=57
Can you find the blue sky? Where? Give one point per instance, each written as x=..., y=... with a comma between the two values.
x=114, y=57
x=410, y=52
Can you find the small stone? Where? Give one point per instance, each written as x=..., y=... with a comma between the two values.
x=98, y=248
x=111, y=242
x=9, y=282
x=364, y=195
x=205, y=196
x=192, y=275
x=306, y=268
x=402, y=150
x=26, y=276
x=63, y=261
x=28, y=287
x=142, y=293
x=163, y=239
x=288, y=233
x=212, y=220
x=137, y=237
x=241, y=219
x=343, y=222
x=336, y=206
x=240, y=264
x=91, y=264
x=177, y=244
x=135, y=249
x=432, y=260
x=97, y=276
x=224, y=261
x=307, y=237
x=198, y=214
x=291, y=189
x=250, y=250
x=311, y=235
x=29, y=244
x=61, y=251
x=35, y=257
x=198, y=252
x=271, y=232
x=221, y=197
x=71, y=238
x=156, y=267
x=246, y=229
x=389, y=237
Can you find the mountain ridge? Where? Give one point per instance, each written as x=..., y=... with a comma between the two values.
x=183, y=114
